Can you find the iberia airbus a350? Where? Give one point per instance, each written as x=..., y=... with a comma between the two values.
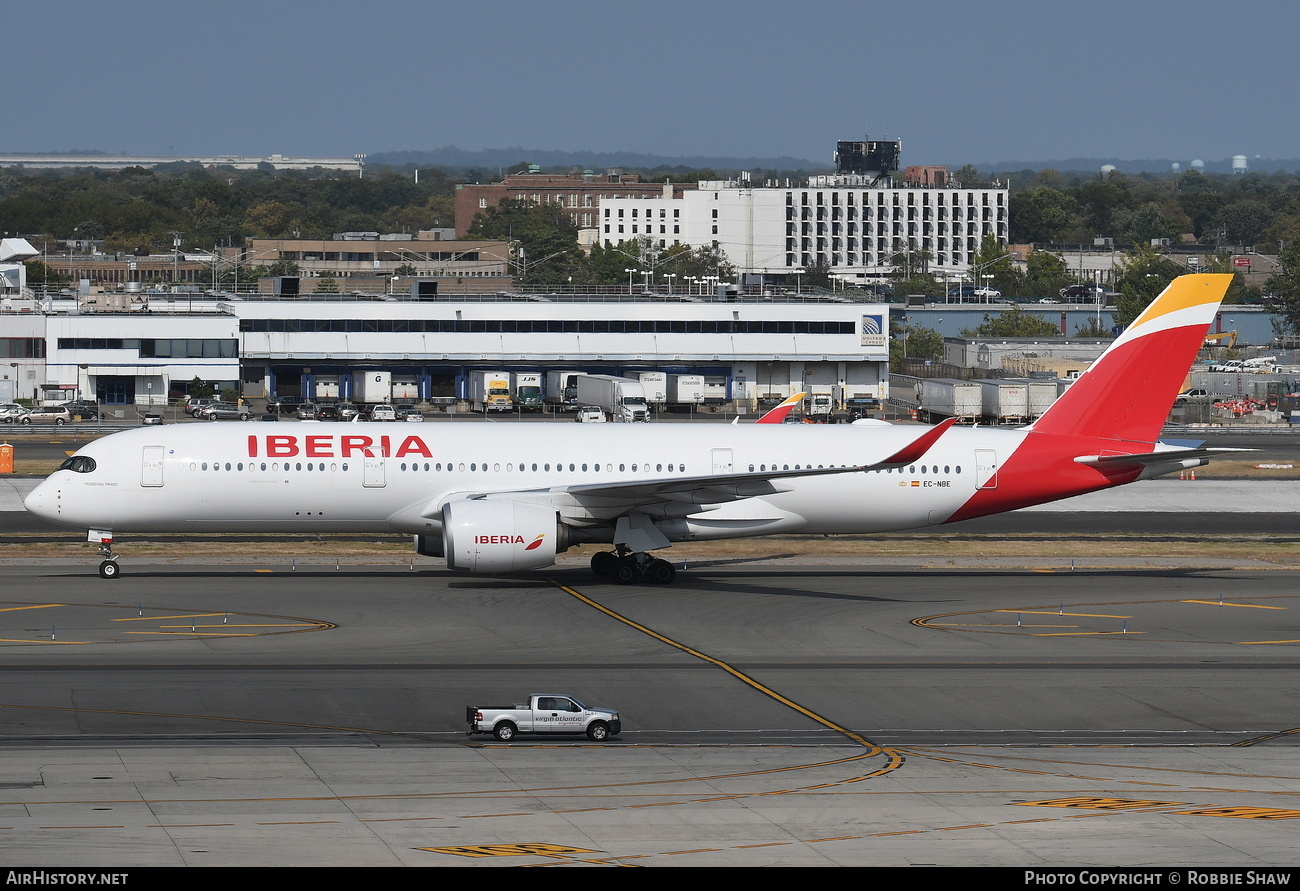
x=491, y=498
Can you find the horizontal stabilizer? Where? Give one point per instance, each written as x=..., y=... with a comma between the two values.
x=1147, y=459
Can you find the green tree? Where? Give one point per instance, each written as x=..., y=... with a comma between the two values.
x=1093, y=328
x=283, y=267
x=1244, y=222
x=993, y=259
x=817, y=274
x=1285, y=286
x=1145, y=224
x=1039, y=216
x=1046, y=274
x=1143, y=274
x=38, y=274
x=1013, y=322
x=912, y=342
x=545, y=236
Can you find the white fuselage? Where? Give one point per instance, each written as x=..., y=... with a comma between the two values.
x=352, y=477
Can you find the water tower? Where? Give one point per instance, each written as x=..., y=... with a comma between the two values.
x=1239, y=164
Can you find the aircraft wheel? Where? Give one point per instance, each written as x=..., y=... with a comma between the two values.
x=661, y=572
x=625, y=573
x=109, y=569
x=604, y=563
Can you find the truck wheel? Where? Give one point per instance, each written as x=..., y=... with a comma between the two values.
x=505, y=731
x=598, y=731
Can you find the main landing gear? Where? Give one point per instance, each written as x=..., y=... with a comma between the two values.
x=625, y=567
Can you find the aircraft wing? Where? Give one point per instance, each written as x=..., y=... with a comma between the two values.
x=611, y=499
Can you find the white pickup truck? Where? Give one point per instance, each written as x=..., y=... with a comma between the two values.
x=544, y=713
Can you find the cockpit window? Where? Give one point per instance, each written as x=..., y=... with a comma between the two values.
x=79, y=464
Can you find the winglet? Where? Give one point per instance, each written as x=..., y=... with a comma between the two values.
x=917, y=447
x=778, y=414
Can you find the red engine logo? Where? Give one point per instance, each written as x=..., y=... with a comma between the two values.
x=509, y=539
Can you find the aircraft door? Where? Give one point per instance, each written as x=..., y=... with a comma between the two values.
x=151, y=469
x=373, y=472
x=723, y=461
x=986, y=469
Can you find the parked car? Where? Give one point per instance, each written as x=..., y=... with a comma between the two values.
x=85, y=408
x=590, y=414
x=11, y=412
x=46, y=414
x=382, y=413
x=326, y=413
x=284, y=405
x=404, y=411
x=151, y=420
x=347, y=411
x=307, y=411
x=988, y=293
x=224, y=411
x=1196, y=394
x=1084, y=294
x=269, y=416
x=195, y=403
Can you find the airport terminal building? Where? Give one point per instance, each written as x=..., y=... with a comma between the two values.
x=751, y=349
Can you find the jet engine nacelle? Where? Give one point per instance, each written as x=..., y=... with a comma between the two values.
x=428, y=545
x=499, y=536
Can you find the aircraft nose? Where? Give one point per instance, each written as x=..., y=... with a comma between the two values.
x=38, y=501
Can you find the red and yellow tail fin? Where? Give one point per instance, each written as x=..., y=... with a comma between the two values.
x=777, y=415
x=1127, y=393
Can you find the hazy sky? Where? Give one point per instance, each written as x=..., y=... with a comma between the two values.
x=957, y=81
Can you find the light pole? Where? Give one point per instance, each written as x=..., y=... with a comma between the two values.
x=670, y=276
x=630, y=273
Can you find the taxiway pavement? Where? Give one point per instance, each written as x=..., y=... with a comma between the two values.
x=773, y=714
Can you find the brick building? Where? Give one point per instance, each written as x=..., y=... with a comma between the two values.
x=579, y=194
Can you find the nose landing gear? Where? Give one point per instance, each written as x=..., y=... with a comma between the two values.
x=108, y=569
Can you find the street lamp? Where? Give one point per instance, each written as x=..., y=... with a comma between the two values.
x=630, y=273
x=670, y=276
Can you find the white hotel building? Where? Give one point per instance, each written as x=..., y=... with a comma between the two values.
x=847, y=221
